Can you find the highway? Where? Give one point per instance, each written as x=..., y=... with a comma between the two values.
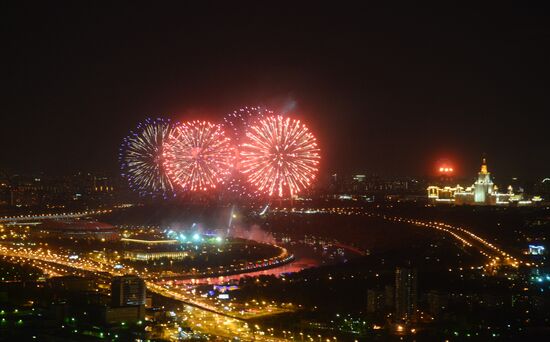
x=496, y=255
x=38, y=217
x=213, y=318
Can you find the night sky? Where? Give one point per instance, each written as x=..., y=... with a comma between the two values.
x=387, y=91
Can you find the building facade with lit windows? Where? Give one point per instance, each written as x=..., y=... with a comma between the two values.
x=406, y=293
x=482, y=192
x=127, y=290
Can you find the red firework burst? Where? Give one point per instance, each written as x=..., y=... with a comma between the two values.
x=198, y=155
x=279, y=156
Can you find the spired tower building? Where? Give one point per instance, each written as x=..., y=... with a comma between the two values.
x=482, y=192
x=483, y=187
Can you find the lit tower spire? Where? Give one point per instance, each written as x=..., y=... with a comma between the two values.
x=483, y=187
x=484, y=166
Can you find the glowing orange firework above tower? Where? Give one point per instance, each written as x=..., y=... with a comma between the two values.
x=198, y=155
x=279, y=156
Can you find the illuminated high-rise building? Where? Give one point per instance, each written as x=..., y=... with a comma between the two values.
x=406, y=293
x=127, y=290
x=483, y=187
x=375, y=301
x=482, y=192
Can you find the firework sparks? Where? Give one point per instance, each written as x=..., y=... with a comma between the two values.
x=198, y=155
x=239, y=121
x=236, y=124
x=279, y=156
x=141, y=158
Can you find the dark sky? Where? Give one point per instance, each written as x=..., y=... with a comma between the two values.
x=386, y=90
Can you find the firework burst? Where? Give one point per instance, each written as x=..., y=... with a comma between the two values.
x=279, y=156
x=237, y=123
x=198, y=155
x=141, y=158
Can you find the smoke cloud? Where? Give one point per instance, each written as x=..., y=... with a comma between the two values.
x=254, y=232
